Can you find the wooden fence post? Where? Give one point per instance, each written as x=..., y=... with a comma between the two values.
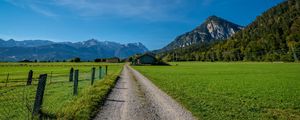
x=39, y=95
x=93, y=75
x=29, y=79
x=100, y=72
x=7, y=77
x=75, y=91
x=71, y=75
x=106, y=70
x=50, y=78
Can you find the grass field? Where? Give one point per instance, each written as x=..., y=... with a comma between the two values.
x=16, y=99
x=231, y=90
x=18, y=72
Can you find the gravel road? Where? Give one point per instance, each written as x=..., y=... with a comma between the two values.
x=136, y=98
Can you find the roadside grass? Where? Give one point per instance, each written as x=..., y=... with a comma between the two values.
x=241, y=90
x=16, y=100
x=85, y=106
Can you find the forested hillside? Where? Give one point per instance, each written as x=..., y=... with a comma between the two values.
x=273, y=36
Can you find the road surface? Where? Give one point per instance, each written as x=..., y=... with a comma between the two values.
x=136, y=98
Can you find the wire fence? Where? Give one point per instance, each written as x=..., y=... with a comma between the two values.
x=19, y=95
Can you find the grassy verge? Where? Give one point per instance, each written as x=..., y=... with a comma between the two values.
x=231, y=90
x=85, y=105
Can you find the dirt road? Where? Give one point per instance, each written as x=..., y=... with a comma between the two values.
x=136, y=98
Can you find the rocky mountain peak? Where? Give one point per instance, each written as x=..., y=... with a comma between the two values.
x=212, y=29
x=213, y=18
x=90, y=42
x=219, y=28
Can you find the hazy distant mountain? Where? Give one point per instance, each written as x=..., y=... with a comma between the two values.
x=213, y=29
x=24, y=43
x=12, y=50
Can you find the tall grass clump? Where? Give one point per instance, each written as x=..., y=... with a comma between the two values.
x=85, y=105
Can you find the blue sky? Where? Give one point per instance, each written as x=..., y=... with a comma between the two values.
x=154, y=23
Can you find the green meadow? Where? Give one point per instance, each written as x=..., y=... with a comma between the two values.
x=16, y=99
x=18, y=72
x=233, y=90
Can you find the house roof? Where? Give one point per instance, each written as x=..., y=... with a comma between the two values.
x=147, y=54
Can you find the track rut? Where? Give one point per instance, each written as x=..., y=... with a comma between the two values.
x=136, y=98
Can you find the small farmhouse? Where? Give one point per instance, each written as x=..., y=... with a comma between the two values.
x=145, y=59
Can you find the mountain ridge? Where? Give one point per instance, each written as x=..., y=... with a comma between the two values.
x=272, y=36
x=91, y=49
x=214, y=28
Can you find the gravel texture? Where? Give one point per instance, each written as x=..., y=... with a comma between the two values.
x=136, y=98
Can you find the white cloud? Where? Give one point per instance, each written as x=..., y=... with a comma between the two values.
x=37, y=6
x=146, y=9
x=42, y=11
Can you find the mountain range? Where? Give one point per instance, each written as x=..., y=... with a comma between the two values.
x=44, y=50
x=272, y=36
x=211, y=30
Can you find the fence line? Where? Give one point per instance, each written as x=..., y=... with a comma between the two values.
x=17, y=99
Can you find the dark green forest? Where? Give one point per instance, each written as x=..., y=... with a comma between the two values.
x=273, y=36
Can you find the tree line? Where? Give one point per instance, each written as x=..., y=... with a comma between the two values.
x=273, y=36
